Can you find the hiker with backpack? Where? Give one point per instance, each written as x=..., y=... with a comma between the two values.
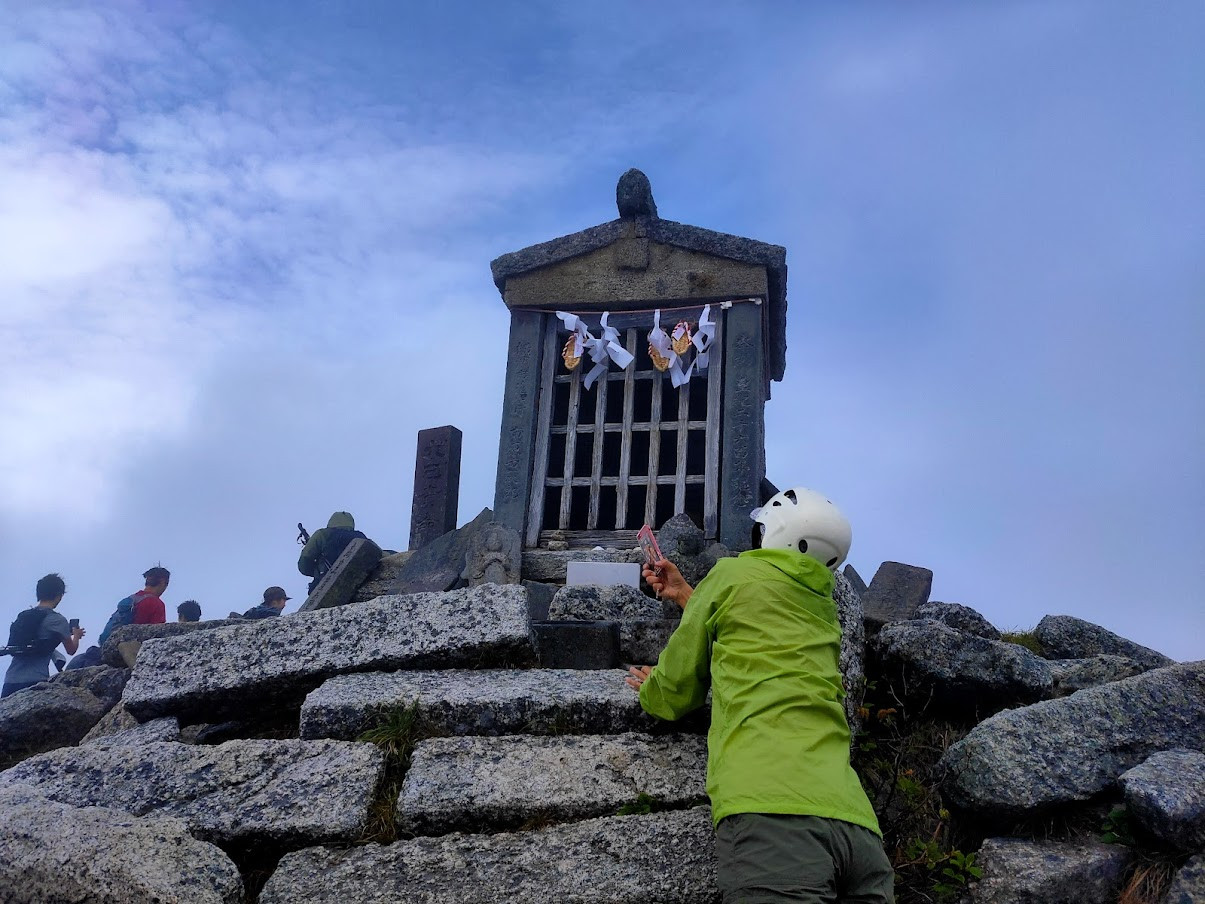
x=325, y=546
x=35, y=635
x=145, y=607
x=273, y=604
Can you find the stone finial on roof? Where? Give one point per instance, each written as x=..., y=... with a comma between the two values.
x=634, y=196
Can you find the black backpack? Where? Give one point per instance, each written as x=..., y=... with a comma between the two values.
x=334, y=541
x=23, y=633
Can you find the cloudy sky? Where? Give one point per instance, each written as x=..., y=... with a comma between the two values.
x=244, y=258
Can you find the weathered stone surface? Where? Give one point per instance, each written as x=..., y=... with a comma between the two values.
x=614, y=602
x=494, y=556
x=277, y=792
x=436, y=485
x=1071, y=675
x=478, y=702
x=1025, y=872
x=102, y=681
x=382, y=577
x=576, y=644
x=927, y=661
x=256, y=663
x=44, y=717
x=339, y=585
x=479, y=783
x=666, y=858
x=1068, y=637
x=1165, y=795
x=438, y=564
x=855, y=579
x=634, y=195
x=958, y=617
x=111, y=654
x=53, y=853
x=642, y=640
x=1020, y=762
x=1188, y=887
x=119, y=727
x=682, y=542
x=852, y=660
x=550, y=565
x=539, y=599
x=895, y=593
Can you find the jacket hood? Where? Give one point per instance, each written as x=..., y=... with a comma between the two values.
x=809, y=572
x=342, y=519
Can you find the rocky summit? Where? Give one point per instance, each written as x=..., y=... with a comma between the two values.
x=420, y=747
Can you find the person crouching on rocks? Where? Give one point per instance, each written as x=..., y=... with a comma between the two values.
x=36, y=634
x=273, y=604
x=761, y=632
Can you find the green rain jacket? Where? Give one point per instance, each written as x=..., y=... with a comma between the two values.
x=761, y=632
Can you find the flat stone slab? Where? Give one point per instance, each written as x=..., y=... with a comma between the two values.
x=338, y=586
x=1018, y=763
x=119, y=727
x=1026, y=872
x=44, y=717
x=280, y=792
x=615, y=602
x=492, y=783
x=52, y=853
x=138, y=634
x=667, y=858
x=642, y=640
x=225, y=671
x=895, y=593
x=1068, y=637
x=1071, y=675
x=478, y=702
x=1166, y=798
x=550, y=566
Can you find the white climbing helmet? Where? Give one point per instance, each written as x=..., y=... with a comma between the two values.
x=803, y=520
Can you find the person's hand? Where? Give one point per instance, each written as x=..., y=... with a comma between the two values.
x=637, y=675
x=669, y=584
x=78, y=633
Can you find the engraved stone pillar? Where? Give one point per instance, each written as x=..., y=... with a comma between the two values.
x=744, y=428
x=436, y=485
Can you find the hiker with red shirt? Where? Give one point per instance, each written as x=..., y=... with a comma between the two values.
x=148, y=605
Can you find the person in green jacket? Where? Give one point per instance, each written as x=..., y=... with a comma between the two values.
x=761, y=633
x=325, y=546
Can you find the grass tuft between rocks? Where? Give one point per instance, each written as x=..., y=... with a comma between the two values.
x=1027, y=639
x=396, y=733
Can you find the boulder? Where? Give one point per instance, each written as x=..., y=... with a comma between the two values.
x=382, y=577
x=257, y=664
x=273, y=792
x=119, y=727
x=642, y=640
x=1165, y=796
x=959, y=617
x=339, y=585
x=1071, y=675
x=477, y=784
x=576, y=644
x=1067, y=637
x=1026, y=872
x=682, y=542
x=612, y=602
x=478, y=702
x=852, y=657
x=54, y=853
x=1021, y=762
x=666, y=858
x=1188, y=886
x=895, y=593
x=958, y=673
x=437, y=566
x=135, y=634
x=550, y=566
x=855, y=579
x=103, y=682
x=44, y=717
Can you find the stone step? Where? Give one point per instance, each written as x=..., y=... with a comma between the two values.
x=50, y=851
x=222, y=672
x=667, y=858
x=478, y=702
x=473, y=783
x=280, y=793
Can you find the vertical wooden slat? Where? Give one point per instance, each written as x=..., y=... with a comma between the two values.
x=625, y=442
x=715, y=386
x=575, y=395
x=683, y=435
x=650, y=500
x=535, y=514
x=600, y=414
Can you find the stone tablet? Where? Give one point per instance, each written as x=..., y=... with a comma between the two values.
x=339, y=585
x=436, y=485
x=895, y=593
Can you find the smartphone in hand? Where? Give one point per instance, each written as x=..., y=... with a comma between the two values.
x=73, y=624
x=652, y=552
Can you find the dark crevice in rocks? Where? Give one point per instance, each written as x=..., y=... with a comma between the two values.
x=256, y=864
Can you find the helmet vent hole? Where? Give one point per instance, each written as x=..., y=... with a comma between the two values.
x=832, y=562
x=775, y=502
x=790, y=494
x=803, y=545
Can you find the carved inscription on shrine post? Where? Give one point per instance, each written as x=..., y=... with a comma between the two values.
x=436, y=485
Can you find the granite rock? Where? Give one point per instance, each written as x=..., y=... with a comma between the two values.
x=642, y=640
x=852, y=659
x=550, y=566
x=273, y=792
x=54, y=853
x=1021, y=762
x=382, y=577
x=612, y=602
x=895, y=593
x=1071, y=675
x=44, y=717
x=539, y=599
x=580, y=863
x=503, y=782
x=1025, y=872
x=111, y=651
x=256, y=664
x=959, y=617
x=119, y=727
x=1188, y=886
x=478, y=702
x=682, y=542
x=1067, y=637
x=855, y=579
x=929, y=663
x=576, y=644
x=437, y=566
x=1165, y=796
x=103, y=682
x=339, y=585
